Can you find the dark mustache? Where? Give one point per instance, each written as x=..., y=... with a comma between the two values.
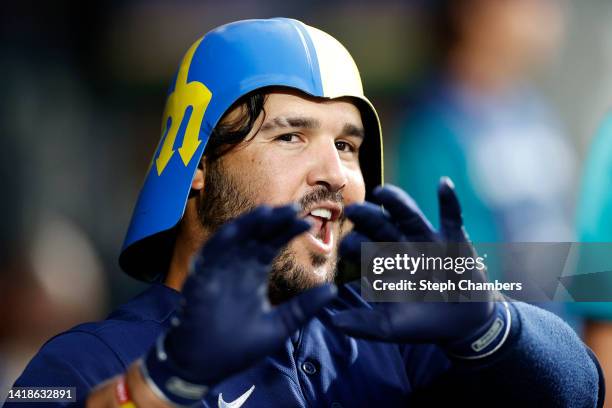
x=322, y=194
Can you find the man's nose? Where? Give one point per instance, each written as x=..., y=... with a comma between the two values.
x=328, y=169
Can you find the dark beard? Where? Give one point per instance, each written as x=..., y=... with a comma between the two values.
x=225, y=198
x=288, y=279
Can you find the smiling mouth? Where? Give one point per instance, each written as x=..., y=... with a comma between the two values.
x=322, y=218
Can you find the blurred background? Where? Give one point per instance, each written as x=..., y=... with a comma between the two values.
x=504, y=96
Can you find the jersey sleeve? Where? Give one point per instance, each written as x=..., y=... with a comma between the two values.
x=74, y=359
x=543, y=363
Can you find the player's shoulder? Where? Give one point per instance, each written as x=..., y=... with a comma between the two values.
x=90, y=353
x=153, y=307
x=349, y=297
x=71, y=359
x=97, y=349
x=133, y=327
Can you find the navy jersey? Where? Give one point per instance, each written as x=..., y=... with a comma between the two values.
x=543, y=362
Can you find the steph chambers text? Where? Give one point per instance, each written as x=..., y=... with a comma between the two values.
x=426, y=285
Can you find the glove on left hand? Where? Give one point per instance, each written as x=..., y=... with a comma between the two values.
x=448, y=324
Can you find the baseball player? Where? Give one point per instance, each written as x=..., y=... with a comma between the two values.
x=268, y=152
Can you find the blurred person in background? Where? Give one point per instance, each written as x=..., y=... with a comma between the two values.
x=50, y=274
x=47, y=284
x=35, y=299
x=594, y=224
x=12, y=261
x=478, y=120
x=50, y=270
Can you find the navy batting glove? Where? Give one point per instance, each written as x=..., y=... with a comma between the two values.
x=226, y=323
x=467, y=330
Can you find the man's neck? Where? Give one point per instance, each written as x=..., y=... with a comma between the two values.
x=179, y=267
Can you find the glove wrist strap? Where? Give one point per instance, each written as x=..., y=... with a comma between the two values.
x=488, y=342
x=161, y=377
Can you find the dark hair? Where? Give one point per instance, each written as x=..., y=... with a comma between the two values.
x=228, y=134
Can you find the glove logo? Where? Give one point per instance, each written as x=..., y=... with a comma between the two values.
x=187, y=102
x=237, y=403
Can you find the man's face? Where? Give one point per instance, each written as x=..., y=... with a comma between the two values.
x=301, y=150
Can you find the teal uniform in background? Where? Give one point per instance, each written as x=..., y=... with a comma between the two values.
x=513, y=168
x=428, y=150
x=594, y=218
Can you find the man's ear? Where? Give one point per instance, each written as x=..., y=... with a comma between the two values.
x=198, y=179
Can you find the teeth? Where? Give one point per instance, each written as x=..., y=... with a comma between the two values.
x=322, y=213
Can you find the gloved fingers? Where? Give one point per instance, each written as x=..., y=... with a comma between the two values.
x=270, y=248
x=263, y=225
x=451, y=221
x=404, y=211
x=269, y=229
x=350, y=247
x=264, y=222
x=364, y=323
x=259, y=223
x=220, y=239
x=235, y=231
x=290, y=229
x=293, y=314
x=280, y=223
x=204, y=283
x=372, y=221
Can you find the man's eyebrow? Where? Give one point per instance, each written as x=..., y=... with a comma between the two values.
x=291, y=122
x=352, y=130
x=303, y=122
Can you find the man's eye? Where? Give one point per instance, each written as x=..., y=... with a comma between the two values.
x=344, y=147
x=289, y=137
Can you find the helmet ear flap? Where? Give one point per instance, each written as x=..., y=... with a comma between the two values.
x=138, y=260
x=370, y=152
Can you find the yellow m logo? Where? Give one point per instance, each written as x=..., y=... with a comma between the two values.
x=193, y=94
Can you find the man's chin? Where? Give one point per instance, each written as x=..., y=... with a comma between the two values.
x=289, y=278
